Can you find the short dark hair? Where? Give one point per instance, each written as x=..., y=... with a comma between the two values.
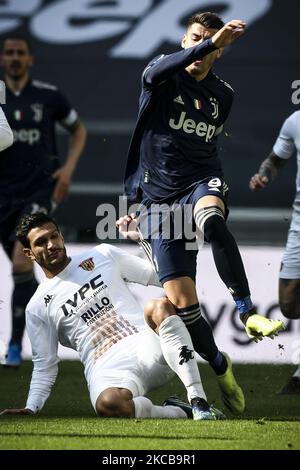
x=28, y=222
x=18, y=37
x=207, y=19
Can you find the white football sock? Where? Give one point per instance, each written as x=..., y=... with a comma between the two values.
x=178, y=351
x=144, y=408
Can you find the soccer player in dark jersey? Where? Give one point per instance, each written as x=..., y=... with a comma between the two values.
x=173, y=159
x=289, y=277
x=32, y=178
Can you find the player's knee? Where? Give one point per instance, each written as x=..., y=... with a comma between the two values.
x=289, y=298
x=290, y=310
x=156, y=311
x=110, y=405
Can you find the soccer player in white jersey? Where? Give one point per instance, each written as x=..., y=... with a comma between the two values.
x=6, y=135
x=289, y=277
x=32, y=177
x=85, y=304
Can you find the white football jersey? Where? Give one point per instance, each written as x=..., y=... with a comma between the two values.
x=6, y=134
x=288, y=141
x=87, y=307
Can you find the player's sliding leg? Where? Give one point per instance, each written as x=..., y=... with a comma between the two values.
x=119, y=403
x=210, y=221
x=178, y=351
x=181, y=291
x=176, y=344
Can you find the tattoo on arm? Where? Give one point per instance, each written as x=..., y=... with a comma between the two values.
x=271, y=166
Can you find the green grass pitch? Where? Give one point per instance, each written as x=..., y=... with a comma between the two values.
x=68, y=420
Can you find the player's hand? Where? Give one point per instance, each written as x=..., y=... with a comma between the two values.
x=16, y=411
x=229, y=33
x=127, y=226
x=63, y=178
x=258, y=182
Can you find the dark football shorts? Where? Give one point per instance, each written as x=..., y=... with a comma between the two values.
x=171, y=230
x=13, y=209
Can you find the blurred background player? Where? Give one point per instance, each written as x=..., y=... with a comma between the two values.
x=289, y=276
x=173, y=159
x=84, y=303
x=31, y=176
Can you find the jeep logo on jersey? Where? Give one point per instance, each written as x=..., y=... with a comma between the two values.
x=189, y=126
x=87, y=264
x=29, y=136
x=81, y=294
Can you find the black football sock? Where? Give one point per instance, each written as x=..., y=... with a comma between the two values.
x=202, y=337
x=25, y=286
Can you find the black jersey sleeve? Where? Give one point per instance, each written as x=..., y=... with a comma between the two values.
x=62, y=107
x=165, y=67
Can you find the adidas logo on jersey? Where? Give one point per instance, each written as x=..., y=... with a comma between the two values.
x=178, y=100
x=189, y=126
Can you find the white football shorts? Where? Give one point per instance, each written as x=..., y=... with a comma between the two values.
x=290, y=266
x=135, y=363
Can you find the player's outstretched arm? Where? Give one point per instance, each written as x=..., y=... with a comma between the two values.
x=17, y=411
x=267, y=172
x=229, y=33
x=162, y=69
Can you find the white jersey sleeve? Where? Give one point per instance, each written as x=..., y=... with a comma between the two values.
x=6, y=134
x=132, y=268
x=285, y=144
x=44, y=345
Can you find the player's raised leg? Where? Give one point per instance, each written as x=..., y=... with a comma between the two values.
x=209, y=214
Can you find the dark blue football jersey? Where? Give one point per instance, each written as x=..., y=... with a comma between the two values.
x=175, y=141
x=28, y=164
